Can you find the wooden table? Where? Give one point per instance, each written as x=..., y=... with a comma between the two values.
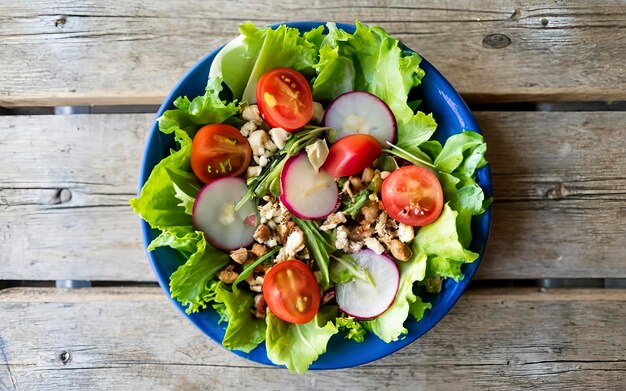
x=558, y=175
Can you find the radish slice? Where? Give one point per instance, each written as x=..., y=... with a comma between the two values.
x=214, y=214
x=363, y=300
x=361, y=112
x=306, y=193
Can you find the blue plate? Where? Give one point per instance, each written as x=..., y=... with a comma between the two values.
x=452, y=115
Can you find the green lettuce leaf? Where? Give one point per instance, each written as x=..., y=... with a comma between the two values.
x=183, y=239
x=297, y=345
x=440, y=241
x=418, y=129
x=390, y=325
x=235, y=61
x=452, y=154
x=335, y=70
x=157, y=203
x=418, y=307
x=243, y=61
x=244, y=332
x=193, y=284
x=204, y=109
x=372, y=61
x=459, y=187
x=354, y=330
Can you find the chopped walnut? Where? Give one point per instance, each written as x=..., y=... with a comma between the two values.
x=254, y=283
x=228, y=275
x=385, y=235
x=258, y=250
x=285, y=229
x=251, y=113
x=399, y=250
x=374, y=245
x=355, y=183
x=361, y=232
x=370, y=212
x=347, y=190
x=332, y=221
x=405, y=233
x=368, y=174
x=355, y=246
x=240, y=255
x=260, y=306
x=262, y=233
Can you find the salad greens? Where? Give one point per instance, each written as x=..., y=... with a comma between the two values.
x=243, y=332
x=297, y=345
x=334, y=63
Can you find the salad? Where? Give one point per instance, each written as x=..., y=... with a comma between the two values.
x=307, y=194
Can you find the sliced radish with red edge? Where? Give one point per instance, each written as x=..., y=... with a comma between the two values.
x=361, y=112
x=306, y=193
x=362, y=299
x=214, y=214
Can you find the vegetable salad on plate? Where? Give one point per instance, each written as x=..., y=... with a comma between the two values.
x=307, y=194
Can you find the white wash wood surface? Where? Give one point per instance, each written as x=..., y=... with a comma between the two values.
x=132, y=52
x=132, y=338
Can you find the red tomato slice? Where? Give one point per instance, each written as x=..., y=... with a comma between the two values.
x=284, y=99
x=351, y=155
x=219, y=150
x=412, y=195
x=291, y=292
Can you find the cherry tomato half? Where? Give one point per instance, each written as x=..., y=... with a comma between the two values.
x=412, y=195
x=291, y=292
x=284, y=99
x=219, y=150
x=351, y=155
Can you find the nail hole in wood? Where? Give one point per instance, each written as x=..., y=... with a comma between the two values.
x=64, y=357
x=544, y=21
x=65, y=195
x=60, y=21
x=496, y=41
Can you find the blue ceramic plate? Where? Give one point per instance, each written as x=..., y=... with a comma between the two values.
x=452, y=116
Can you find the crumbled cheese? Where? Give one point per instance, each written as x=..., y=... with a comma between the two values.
x=341, y=239
x=374, y=245
x=317, y=153
x=247, y=128
x=279, y=137
x=295, y=243
x=257, y=140
x=332, y=221
x=251, y=113
x=318, y=112
x=253, y=171
x=405, y=233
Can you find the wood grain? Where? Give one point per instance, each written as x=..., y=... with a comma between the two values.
x=560, y=196
x=132, y=52
x=132, y=338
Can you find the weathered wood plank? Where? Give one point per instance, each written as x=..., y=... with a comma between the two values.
x=558, y=183
x=131, y=338
x=133, y=52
